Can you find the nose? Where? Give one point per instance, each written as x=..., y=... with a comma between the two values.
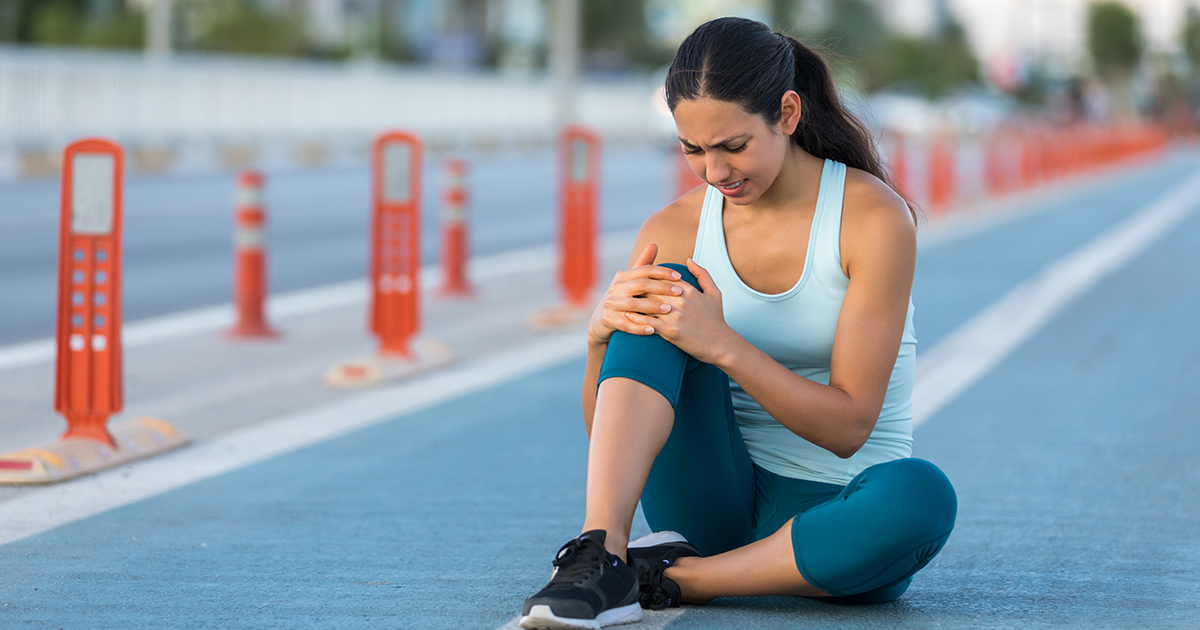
x=716, y=169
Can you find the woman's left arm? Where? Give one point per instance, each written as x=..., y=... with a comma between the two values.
x=879, y=256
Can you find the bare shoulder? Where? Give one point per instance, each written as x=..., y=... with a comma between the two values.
x=875, y=220
x=672, y=228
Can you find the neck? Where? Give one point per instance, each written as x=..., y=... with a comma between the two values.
x=796, y=185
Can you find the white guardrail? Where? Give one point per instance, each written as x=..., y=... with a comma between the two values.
x=202, y=112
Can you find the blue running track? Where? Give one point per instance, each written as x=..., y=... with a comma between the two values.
x=1075, y=459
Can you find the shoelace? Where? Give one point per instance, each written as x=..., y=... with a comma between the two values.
x=650, y=591
x=578, y=560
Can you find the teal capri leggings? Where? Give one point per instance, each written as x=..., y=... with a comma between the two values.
x=861, y=542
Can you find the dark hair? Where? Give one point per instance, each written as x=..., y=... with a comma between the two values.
x=743, y=62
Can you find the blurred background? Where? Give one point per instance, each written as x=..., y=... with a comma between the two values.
x=971, y=100
x=193, y=84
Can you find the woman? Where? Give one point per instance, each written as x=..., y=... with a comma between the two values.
x=754, y=387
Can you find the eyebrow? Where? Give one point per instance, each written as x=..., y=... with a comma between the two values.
x=721, y=143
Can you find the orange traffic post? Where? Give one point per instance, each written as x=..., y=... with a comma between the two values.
x=579, y=153
x=993, y=165
x=88, y=386
x=579, y=191
x=396, y=241
x=942, y=172
x=685, y=178
x=395, y=269
x=454, y=230
x=1030, y=159
x=250, y=260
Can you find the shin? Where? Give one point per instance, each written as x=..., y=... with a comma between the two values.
x=630, y=426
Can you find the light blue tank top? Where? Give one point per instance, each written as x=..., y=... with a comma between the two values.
x=796, y=329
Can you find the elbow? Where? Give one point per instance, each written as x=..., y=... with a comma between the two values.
x=853, y=439
x=848, y=451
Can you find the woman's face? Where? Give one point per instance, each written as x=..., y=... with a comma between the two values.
x=734, y=151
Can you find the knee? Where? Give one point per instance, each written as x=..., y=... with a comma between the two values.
x=684, y=272
x=920, y=494
x=888, y=523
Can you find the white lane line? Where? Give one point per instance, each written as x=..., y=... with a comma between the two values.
x=307, y=301
x=985, y=340
x=58, y=505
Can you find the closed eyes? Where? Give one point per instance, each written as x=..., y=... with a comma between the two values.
x=691, y=150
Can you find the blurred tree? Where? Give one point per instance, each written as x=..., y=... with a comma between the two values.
x=10, y=18
x=74, y=22
x=1114, y=39
x=1191, y=37
x=57, y=23
x=930, y=66
x=121, y=28
x=785, y=15
x=242, y=26
x=956, y=63
x=848, y=33
x=394, y=45
x=615, y=37
x=1191, y=47
x=853, y=33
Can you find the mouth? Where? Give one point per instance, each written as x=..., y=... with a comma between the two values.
x=732, y=186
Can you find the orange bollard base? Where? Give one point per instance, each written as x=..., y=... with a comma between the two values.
x=134, y=439
x=89, y=426
x=423, y=355
x=455, y=293
x=250, y=332
x=558, y=317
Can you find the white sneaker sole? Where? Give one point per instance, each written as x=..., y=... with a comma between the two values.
x=542, y=618
x=657, y=538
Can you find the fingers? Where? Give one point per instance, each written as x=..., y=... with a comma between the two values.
x=702, y=277
x=639, y=305
x=647, y=271
x=648, y=255
x=630, y=286
x=632, y=323
x=647, y=324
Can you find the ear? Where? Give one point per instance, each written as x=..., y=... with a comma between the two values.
x=790, y=112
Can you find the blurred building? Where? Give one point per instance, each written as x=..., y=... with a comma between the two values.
x=1054, y=32
x=446, y=33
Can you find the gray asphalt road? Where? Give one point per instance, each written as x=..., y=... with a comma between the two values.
x=178, y=228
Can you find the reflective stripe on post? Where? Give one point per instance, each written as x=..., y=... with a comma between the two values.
x=454, y=230
x=395, y=241
x=579, y=176
x=88, y=379
x=250, y=259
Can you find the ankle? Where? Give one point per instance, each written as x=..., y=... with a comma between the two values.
x=684, y=573
x=615, y=541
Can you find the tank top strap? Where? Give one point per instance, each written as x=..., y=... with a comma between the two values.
x=825, y=238
x=827, y=221
x=711, y=227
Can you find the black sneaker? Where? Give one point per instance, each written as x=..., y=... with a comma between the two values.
x=651, y=555
x=589, y=589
